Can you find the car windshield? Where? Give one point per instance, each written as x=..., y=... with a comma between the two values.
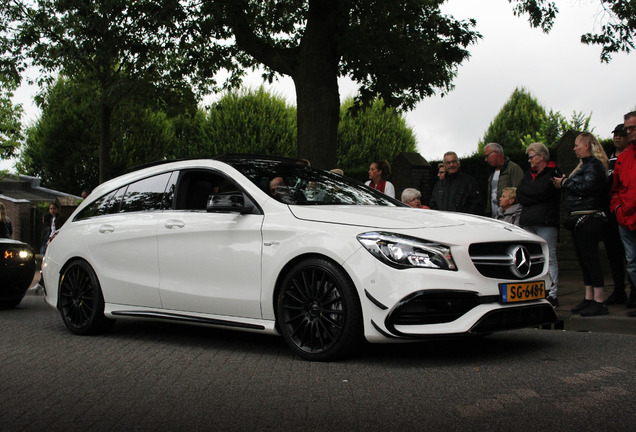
x=302, y=185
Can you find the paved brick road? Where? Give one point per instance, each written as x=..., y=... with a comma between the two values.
x=160, y=377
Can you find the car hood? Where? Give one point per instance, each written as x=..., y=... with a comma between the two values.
x=385, y=217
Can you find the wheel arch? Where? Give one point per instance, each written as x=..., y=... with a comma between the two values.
x=66, y=265
x=286, y=269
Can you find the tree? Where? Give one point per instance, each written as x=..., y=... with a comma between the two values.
x=374, y=133
x=124, y=48
x=618, y=31
x=10, y=119
x=555, y=125
x=62, y=147
x=521, y=116
x=251, y=121
x=401, y=51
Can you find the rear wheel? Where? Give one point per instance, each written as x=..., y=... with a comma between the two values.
x=319, y=312
x=81, y=300
x=9, y=304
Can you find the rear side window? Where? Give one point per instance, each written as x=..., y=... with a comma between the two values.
x=146, y=194
x=152, y=193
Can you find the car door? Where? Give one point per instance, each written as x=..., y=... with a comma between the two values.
x=122, y=241
x=209, y=262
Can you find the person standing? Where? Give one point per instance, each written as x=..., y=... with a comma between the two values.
x=441, y=171
x=540, y=203
x=506, y=174
x=379, y=172
x=6, y=230
x=56, y=220
x=612, y=239
x=509, y=209
x=457, y=191
x=584, y=191
x=623, y=196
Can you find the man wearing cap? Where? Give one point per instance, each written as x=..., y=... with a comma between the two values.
x=506, y=174
x=611, y=238
x=623, y=199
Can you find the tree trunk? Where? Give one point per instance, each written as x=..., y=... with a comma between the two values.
x=316, y=80
x=105, y=164
x=318, y=114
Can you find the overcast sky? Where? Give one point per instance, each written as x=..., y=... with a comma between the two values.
x=563, y=74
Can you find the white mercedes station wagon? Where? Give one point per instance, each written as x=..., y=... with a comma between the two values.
x=274, y=246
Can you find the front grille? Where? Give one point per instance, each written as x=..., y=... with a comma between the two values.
x=497, y=259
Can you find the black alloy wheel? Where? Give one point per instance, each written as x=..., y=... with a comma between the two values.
x=319, y=312
x=81, y=300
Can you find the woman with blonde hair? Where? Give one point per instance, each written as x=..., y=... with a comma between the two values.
x=6, y=230
x=540, y=204
x=584, y=193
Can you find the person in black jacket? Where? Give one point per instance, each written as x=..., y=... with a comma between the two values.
x=585, y=192
x=457, y=191
x=539, y=200
x=6, y=230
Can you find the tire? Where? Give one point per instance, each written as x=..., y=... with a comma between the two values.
x=319, y=312
x=9, y=304
x=81, y=300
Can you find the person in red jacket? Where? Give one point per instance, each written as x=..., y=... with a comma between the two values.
x=623, y=200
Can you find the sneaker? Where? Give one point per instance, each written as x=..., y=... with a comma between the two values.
x=616, y=297
x=594, y=309
x=553, y=301
x=579, y=307
x=631, y=301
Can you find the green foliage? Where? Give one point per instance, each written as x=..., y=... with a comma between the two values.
x=618, y=29
x=373, y=133
x=62, y=147
x=521, y=117
x=555, y=125
x=252, y=122
x=400, y=51
x=10, y=119
x=124, y=48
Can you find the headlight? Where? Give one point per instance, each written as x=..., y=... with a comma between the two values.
x=401, y=251
x=24, y=254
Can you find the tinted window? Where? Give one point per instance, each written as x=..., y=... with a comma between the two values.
x=301, y=185
x=107, y=204
x=146, y=194
x=196, y=186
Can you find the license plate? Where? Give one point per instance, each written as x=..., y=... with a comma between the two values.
x=522, y=291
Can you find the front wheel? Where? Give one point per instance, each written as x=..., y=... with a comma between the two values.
x=319, y=312
x=81, y=300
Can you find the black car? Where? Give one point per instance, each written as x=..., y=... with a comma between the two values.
x=17, y=268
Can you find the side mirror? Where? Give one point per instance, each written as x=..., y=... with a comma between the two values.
x=228, y=202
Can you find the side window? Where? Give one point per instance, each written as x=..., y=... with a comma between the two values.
x=153, y=193
x=146, y=194
x=107, y=204
x=196, y=186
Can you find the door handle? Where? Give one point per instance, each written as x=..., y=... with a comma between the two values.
x=174, y=223
x=106, y=229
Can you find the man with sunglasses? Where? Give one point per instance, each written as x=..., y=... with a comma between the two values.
x=623, y=199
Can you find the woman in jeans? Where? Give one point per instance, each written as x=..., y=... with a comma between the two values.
x=583, y=192
x=539, y=201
